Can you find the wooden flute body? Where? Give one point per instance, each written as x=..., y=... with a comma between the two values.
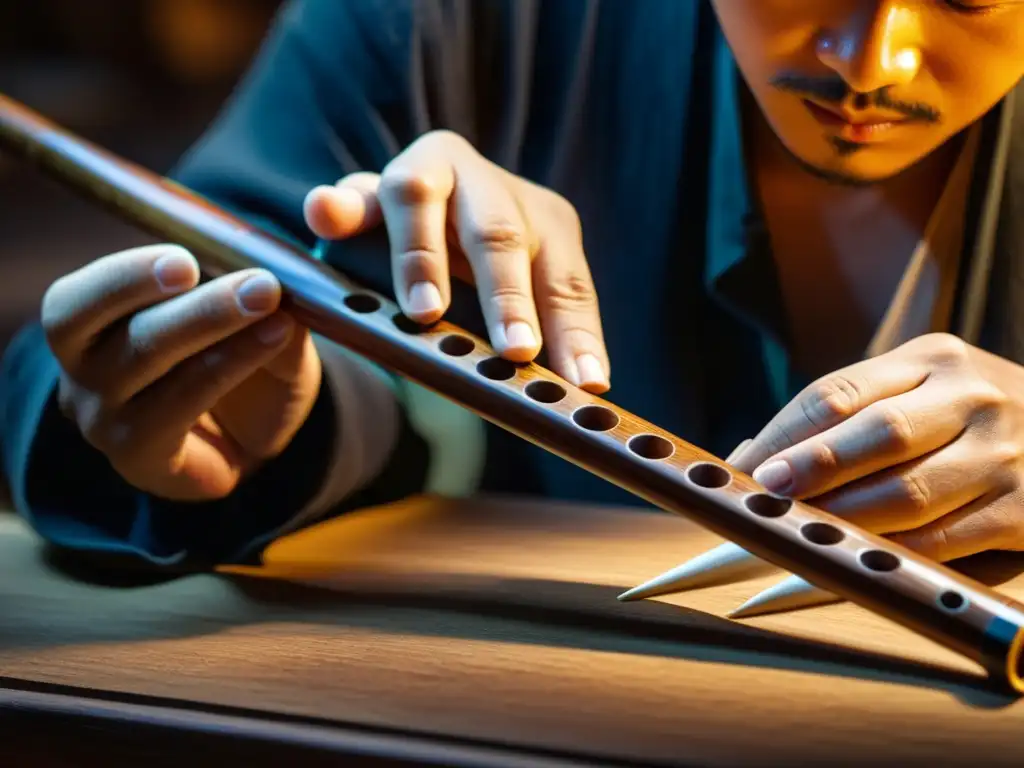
x=539, y=406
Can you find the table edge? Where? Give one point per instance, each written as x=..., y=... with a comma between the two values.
x=249, y=731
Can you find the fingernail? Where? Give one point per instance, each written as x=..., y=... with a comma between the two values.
x=257, y=295
x=591, y=372
x=176, y=271
x=776, y=476
x=519, y=335
x=273, y=330
x=424, y=299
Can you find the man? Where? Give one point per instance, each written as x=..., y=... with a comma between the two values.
x=801, y=219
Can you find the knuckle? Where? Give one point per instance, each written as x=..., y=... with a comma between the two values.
x=983, y=409
x=408, y=186
x=1004, y=462
x=510, y=298
x=573, y=292
x=984, y=399
x=831, y=400
x=108, y=434
x=932, y=542
x=915, y=493
x=1007, y=453
x=823, y=459
x=418, y=261
x=894, y=427
x=444, y=138
x=141, y=342
x=210, y=371
x=945, y=349
x=497, y=235
x=564, y=212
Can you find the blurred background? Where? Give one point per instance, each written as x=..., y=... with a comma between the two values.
x=140, y=77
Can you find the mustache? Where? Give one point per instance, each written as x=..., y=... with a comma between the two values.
x=834, y=90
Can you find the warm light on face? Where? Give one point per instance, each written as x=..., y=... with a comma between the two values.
x=907, y=61
x=904, y=61
x=863, y=89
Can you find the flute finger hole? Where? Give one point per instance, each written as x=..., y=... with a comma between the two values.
x=952, y=601
x=496, y=369
x=765, y=505
x=822, y=534
x=456, y=346
x=653, y=447
x=545, y=391
x=363, y=303
x=405, y=325
x=879, y=560
x=708, y=475
x=595, y=418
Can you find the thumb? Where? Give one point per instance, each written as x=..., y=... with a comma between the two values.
x=348, y=208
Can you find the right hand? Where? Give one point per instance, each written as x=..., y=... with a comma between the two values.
x=451, y=212
x=185, y=388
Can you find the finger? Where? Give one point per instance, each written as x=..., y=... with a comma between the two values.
x=292, y=379
x=80, y=306
x=495, y=237
x=918, y=492
x=344, y=209
x=414, y=194
x=737, y=451
x=569, y=314
x=151, y=427
x=886, y=433
x=159, y=338
x=831, y=400
x=985, y=524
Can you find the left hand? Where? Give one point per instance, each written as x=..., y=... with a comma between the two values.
x=923, y=444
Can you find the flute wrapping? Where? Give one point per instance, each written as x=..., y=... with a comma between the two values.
x=539, y=406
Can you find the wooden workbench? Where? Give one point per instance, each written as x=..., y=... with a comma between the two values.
x=475, y=633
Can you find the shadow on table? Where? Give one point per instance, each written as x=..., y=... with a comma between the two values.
x=505, y=609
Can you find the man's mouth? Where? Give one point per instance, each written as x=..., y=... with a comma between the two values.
x=854, y=127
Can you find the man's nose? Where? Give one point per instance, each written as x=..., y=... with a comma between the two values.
x=875, y=47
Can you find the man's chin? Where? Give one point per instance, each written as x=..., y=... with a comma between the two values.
x=848, y=166
x=842, y=174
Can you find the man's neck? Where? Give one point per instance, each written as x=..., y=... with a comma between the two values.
x=839, y=250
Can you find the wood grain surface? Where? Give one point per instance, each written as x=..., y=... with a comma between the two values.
x=496, y=622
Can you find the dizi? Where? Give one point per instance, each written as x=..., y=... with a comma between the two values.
x=533, y=403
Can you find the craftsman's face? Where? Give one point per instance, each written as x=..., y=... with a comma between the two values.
x=862, y=89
